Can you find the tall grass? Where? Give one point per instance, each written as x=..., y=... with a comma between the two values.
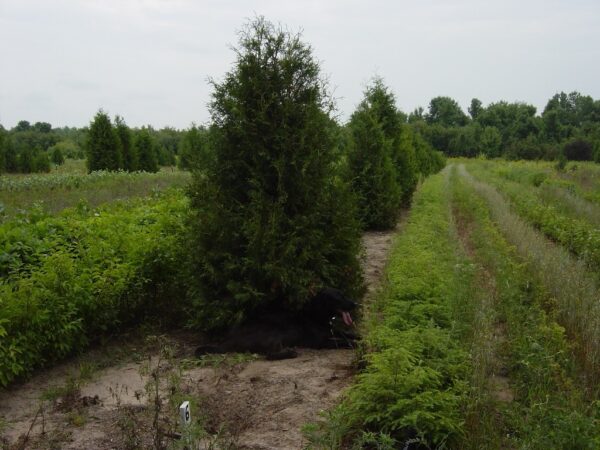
x=576, y=234
x=57, y=191
x=525, y=393
x=415, y=385
x=574, y=290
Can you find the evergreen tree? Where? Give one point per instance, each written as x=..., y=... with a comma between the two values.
x=193, y=153
x=145, y=149
x=271, y=225
x=129, y=158
x=405, y=162
x=372, y=172
x=102, y=144
x=382, y=103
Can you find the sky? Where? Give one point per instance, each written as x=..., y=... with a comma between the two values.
x=150, y=60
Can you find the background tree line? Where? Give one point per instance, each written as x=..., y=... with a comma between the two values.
x=569, y=126
x=105, y=144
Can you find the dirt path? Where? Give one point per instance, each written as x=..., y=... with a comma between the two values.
x=254, y=404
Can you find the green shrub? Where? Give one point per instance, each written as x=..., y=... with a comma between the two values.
x=71, y=279
x=57, y=157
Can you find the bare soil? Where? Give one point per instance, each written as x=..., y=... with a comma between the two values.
x=247, y=404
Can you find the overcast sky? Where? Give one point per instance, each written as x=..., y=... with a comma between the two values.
x=149, y=60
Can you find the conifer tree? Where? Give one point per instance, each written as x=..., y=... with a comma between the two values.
x=271, y=225
x=383, y=104
x=193, y=153
x=372, y=172
x=102, y=144
x=145, y=149
x=128, y=155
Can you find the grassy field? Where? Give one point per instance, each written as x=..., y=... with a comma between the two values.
x=70, y=185
x=487, y=332
x=82, y=256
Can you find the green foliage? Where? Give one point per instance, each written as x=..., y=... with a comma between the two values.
x=57, y=156
x=42, y=162
x=71, y=279
x=102, y=144
x=68, y=149
x=537, y=350
x=568, y=120
x=270, y=223
x=406, y=164
x=578, y=150
x=129, y=157
x=561, y=164
x=383, y=166
x=194, y=152
x=475, y=108
x=491, y=142
x=414, y=385
x=445, y=111
x=575, y=233
x=146, y=151
x=373, y=175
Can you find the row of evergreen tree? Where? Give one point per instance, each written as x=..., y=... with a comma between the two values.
x=568, y=126
x=283, y=193
x=114, y=146
x=28, y=148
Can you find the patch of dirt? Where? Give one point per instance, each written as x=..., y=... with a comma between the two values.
x=377, y=245
x=264, y=404
x=261, y=404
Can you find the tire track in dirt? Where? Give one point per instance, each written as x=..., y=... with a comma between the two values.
x=261, y=404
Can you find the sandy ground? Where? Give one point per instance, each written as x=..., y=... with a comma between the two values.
x=246, y=404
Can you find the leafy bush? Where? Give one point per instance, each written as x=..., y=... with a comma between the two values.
x=57, y=156
x=578, y=150
x=71, y=279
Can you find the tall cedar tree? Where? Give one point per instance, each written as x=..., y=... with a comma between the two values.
x=372, y=172
x=146, y=151
x=128, y=155
x=193, y=149
x=271, y=222
x=383, y=104
x=102, y=145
